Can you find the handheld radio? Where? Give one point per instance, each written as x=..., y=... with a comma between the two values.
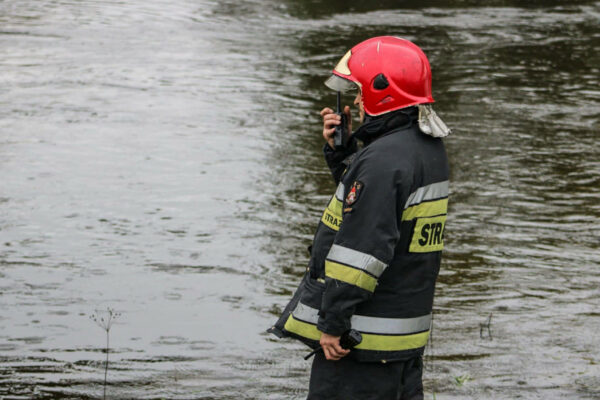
x=349, y=339
x=341, y=131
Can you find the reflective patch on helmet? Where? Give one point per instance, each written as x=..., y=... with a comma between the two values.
x=342, y=65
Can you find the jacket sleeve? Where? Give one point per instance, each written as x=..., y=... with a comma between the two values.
x=364, y=245
x=335, y=159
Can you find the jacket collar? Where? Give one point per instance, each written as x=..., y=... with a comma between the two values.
x=375, y=127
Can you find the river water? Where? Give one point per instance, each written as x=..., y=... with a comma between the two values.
x=164, y=159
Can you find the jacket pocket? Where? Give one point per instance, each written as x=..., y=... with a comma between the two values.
x=312, y=293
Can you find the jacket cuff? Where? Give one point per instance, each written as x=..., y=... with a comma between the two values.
x=333, y=324
x=334, y=158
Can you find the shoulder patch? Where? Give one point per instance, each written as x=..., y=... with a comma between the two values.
x=352, y=196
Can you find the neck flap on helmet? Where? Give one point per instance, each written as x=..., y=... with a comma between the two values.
x=430, y=123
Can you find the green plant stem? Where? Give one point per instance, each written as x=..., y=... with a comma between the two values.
x=106, y=365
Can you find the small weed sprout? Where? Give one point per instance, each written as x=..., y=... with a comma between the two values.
x=462, y=379
x=105, y=320
x=486, y=326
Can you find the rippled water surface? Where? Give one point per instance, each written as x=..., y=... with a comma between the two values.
x=163, y=159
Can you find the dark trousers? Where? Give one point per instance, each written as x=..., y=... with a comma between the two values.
x=348, y=379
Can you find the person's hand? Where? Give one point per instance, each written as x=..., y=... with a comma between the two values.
x=331, y=347
x=331, y=120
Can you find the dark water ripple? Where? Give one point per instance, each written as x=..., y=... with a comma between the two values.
x=164, y=160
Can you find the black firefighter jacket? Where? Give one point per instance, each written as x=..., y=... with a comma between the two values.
x=377, y=249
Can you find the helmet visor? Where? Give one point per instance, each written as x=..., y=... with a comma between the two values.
x=340, y=84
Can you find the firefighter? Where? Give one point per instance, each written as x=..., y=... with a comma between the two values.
x=376, y=252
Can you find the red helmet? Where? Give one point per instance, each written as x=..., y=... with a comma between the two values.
x=392, y=73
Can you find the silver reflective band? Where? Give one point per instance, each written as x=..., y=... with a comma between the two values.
x=362, y=323
x=430, y=192
x=391, y=326
x=340, y=84
x=339, y=192
x=306, y=313
x=356, y=259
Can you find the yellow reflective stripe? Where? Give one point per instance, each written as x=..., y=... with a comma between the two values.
x=332, y=216
x=301, y=328
x=393, y=342
x=331, y=220
x=350, y=275
x=356, y=259
x=370, y=341
x=428, y=235
x=426, y=209
x=336, y=206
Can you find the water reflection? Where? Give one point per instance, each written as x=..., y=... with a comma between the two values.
x=167, y=161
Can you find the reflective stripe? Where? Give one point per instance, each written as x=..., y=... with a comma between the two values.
x=384, y=334
x=304, y=329
x=339, y=193
x=342, y=65
x=428, y=235
x=306, y=313
x=376, y=325
x=429, y=206
x=356, y=259
x=350, y=275
x=335, y=206
x=391, y=326
x=392, y=342
x=331, y=220
x=426, y=209
x=429, y=192
x=332, y=216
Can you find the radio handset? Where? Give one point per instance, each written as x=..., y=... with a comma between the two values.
x=341, y=130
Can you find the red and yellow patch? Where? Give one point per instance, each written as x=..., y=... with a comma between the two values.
x=352, y=196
